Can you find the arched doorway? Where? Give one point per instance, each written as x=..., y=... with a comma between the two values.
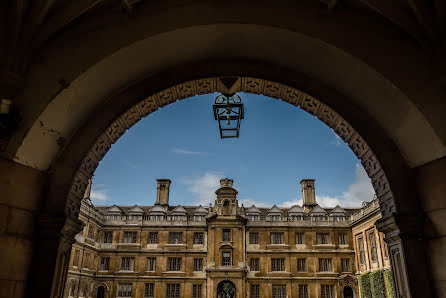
x=226, y=289
x=348, y=292
x=101, y=292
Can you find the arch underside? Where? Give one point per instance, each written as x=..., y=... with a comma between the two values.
x=241, y=84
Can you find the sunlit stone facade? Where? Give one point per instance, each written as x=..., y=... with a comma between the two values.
x=196, y=251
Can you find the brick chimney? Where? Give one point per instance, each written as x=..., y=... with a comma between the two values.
x=308, y=194
x=162, y=192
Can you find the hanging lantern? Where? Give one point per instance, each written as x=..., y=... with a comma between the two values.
x=228, y=111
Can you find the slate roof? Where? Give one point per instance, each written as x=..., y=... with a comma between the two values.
x=190, y=209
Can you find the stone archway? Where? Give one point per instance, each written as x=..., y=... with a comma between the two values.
x=348, y=292
x=251, y=85
x=240, y=84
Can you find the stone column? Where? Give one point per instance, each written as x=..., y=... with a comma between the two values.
x=56, y=235
x=404, y=238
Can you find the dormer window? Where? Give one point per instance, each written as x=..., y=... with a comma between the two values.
x=276, y=218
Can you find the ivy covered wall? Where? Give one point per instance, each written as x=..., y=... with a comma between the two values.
x=377, y=284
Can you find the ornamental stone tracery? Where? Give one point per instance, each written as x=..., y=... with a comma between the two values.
x=241, y=84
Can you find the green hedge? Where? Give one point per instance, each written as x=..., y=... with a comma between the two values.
x=388, y=278
x=377, y=285
x=364, y=284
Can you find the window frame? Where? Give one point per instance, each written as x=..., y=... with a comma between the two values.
x=197, y=290
x=323, y=238
x=373, y=250
x=173, y=290
x=123, y=289
x=108, y=237
x=198, y=238
x=328, y=291
x=254, y=264
x=174, y=263
x=175, y=237
x=130, y=237
x=253, y=237
x=198, y=264
x=226, y=235
x=149, y=288
x=279, y=291
x=278, y=265
x=326, y=264
x=151, y=264
x=104, y=264
x=225, y=260
x=127, y=262
x=300, y=236
x=153, y=238
x=277, y=238
x=362, y=260
x=303, y=291
x=255, y=291
x=346, y=265
x=301, y=264
x=342, y=239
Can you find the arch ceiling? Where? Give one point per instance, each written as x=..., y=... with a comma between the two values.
x=364, y=86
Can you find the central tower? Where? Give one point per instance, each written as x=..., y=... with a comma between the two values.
x=226, y=203
x=226, y=244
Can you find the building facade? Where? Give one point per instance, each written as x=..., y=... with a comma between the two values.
x=224, y=250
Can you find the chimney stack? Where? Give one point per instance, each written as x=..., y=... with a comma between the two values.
x=162, y=192
x=308, y=194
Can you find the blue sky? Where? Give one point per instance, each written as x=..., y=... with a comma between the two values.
x=278, y=146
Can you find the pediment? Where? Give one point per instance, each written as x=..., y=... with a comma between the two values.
x=337, y=210
x=200, y=211
x=317, y=210
x=179, y=210
x=274, y=210
x=136, y=210
x=253, y=210
x=115, y=209
x=296, y=209
x=157, y=209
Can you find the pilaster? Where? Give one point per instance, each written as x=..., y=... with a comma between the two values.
x=56, y=236
x=404, y=238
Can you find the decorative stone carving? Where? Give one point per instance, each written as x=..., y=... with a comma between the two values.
x=310, y=104
x=147, y=106
x=272, y=89
x=292, y=96
x=167, y=96
x=205, y=86
x=186, y=90
x=252, y=85
x=327, y=115
x=131, y=117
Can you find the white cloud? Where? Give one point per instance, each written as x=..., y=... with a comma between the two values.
x=248, y=202
x=99, y=196
x=359, y=191
x=203, y=188
x=187, y=152
x=292, y=202
x=337, y=141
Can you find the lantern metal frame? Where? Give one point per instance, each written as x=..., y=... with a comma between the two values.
x=228, y=107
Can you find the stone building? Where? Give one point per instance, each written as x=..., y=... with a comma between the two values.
x=196, y=251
